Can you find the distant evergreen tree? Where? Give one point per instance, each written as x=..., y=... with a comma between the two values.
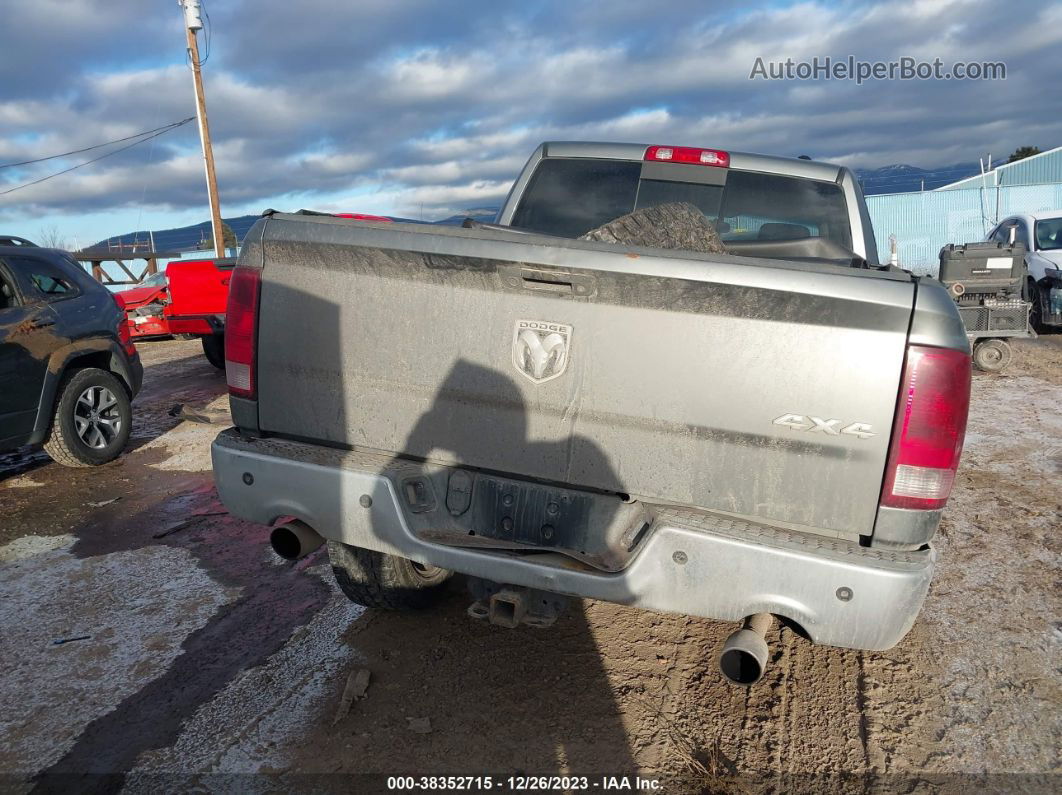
x=1023, y=152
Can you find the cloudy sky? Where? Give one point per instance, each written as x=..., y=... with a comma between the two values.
x=425, y=109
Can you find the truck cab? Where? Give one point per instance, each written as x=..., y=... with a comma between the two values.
x=760, y=205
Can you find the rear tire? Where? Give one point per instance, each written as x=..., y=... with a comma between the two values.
x=214, y=350
x=677, y=225
x=992, y=356
x=92, y=419
x=1036, y=314
x=376, y=579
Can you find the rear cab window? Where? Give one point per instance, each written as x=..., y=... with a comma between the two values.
x=568, y=197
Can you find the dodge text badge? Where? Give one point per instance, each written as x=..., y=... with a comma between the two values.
x=540, y=349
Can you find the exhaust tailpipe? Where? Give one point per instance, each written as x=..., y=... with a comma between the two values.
x=293, y=540
x=744, y=655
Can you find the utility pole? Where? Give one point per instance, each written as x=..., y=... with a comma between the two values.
x=193, y=22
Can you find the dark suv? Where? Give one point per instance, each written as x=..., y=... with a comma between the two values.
x=67, y=365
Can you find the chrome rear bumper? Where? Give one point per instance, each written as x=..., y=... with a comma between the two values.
x=689, y=562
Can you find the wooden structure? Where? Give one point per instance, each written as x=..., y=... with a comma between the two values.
x=98, y=257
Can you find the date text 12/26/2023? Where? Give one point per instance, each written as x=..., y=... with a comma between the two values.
x=522, y=783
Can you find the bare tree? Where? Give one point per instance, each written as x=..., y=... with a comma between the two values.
x=51, y=237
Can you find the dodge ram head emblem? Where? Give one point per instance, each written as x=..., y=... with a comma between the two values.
x=540, y=349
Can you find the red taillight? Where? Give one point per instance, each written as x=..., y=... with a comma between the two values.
x=929, y=429
x=686, y=154
x=125, y=336
x=241, y=331
x=364, y=217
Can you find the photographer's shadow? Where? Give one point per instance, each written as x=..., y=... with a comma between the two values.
x=534, y=701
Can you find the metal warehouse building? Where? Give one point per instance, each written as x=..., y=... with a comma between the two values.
x=964, y=211
x=1035, y=170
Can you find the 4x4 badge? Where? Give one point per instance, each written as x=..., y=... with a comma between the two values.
x=801, y=422
x=541, y=349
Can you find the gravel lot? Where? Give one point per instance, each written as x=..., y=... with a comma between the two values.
x=207, y=659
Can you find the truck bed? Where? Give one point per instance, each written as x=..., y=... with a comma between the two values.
x=762, y=389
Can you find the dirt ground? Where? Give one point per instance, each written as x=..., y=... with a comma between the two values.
x=196, y=659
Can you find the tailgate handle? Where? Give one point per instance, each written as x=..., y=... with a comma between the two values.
x=549, y=281
x=531, y=283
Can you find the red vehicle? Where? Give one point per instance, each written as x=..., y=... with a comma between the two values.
x=364, y=217
x=199, y=290
x=144, y=306
x=189, y=300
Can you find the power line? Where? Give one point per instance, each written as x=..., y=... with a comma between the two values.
x=165, y=128
x=207, y=30
x=151, y=159
x=95, y=159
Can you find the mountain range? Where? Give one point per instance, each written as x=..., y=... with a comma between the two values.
x=187, y=238
x=901, y=178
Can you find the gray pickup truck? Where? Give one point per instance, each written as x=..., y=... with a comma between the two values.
x=769, y=432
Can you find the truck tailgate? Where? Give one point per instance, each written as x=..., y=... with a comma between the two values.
x=762, y=389
x=198, y=287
